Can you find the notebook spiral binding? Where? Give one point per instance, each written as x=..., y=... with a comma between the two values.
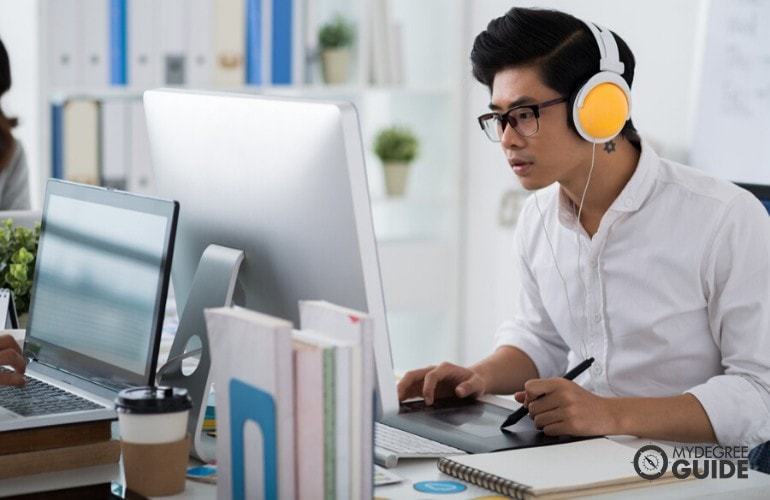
x=483, y=479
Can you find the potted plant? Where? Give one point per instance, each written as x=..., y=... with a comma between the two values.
x=396, y=146
x=18, y=251
x=334, y=40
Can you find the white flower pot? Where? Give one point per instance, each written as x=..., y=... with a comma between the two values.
x=334, y=65
x=396, y=175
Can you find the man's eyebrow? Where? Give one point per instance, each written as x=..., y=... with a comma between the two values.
x=518, y=102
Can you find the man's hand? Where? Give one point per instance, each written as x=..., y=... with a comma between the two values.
x=10, y=354
x=561, y=407
x=440, y=381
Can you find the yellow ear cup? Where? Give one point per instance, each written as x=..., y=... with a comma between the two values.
x=604, y=111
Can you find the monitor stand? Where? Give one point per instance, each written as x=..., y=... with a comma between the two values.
x=212, y=286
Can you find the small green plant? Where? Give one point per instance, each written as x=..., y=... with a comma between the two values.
x=336, y=33
x=396, y=144
x=18, y=251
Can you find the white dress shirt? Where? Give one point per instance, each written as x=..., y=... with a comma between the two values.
x=674, y=295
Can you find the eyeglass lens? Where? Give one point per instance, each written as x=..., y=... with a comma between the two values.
x=524, y=120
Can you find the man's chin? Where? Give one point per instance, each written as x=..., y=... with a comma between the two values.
x=533, y=184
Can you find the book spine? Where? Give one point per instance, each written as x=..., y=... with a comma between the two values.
x=480, y=478
x=330, y=435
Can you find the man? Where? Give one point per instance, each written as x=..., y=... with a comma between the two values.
x=656, y=270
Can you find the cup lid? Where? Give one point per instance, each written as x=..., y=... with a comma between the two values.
x=160, y=399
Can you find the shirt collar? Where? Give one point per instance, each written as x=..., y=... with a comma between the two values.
x=640, y=186
x=635, y=192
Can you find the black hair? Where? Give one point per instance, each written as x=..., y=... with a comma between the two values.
x=560, y=47
x=7, y=143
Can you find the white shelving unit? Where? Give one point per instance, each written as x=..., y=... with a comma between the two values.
x=418, y=234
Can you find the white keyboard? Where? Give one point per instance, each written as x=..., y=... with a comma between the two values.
x=391, y=443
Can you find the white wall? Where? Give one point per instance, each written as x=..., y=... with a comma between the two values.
x=662, y=35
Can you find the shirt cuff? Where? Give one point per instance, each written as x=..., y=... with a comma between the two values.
x=738, y=414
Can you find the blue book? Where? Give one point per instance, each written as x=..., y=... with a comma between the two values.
x=118, y=62
x=57, y=140
x=254, y=42
x=281, y=50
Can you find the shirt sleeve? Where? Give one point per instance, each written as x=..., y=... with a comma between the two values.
x=14, y=182
x=737, y=285
x=530, y=328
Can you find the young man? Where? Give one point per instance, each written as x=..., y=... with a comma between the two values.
x=658, y=271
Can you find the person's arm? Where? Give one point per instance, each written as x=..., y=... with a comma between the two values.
x=10, y=354
x=561, y=407
x=502, y=372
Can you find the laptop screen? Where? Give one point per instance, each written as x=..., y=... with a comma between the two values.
x=101, y=278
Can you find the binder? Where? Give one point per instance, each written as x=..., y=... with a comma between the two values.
x=200, y=43
x=229, y=42
x=57, y=140
x=251, y=358
x=63, y=42
x=93, y=27
x=81, y=141
x=141, y=178
x=281, y=47
x=118, y=48
x=173, y=36
x=143, y=65
x=115, y=141
x=254, y=47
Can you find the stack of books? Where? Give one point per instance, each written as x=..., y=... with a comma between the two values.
x=294, y=406
x=56, y=448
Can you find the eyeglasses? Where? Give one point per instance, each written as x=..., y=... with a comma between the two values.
x=524, y=119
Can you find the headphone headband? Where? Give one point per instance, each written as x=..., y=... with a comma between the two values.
x=609, y=55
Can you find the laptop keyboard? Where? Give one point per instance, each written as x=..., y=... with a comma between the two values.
x=404, y=444
x=40, y=398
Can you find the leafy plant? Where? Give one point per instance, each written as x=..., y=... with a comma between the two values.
x=336, y=33
x=396, y=143
x=18, y=251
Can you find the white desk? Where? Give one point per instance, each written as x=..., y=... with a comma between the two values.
x=756, y=486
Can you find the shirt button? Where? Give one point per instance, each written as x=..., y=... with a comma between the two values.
x=628, y=201
x=597, y=317
x=598, y=369
x=594, y=263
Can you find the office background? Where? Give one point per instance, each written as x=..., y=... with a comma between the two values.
x=445, y=246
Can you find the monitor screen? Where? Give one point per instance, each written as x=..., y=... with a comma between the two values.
x=284, y=181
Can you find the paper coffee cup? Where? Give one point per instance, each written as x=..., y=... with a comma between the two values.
x=153, y=437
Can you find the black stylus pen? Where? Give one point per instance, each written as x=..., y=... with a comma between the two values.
x=570, y=375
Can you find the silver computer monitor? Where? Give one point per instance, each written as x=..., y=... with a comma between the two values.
x=282, y=179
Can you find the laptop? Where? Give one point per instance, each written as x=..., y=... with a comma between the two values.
x=98, y=300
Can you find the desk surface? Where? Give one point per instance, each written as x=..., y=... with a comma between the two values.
x=756, y=486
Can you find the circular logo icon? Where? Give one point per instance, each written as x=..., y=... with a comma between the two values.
x=650, y=462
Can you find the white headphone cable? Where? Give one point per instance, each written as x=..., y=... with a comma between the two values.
x=583, y=348
x=581, y=330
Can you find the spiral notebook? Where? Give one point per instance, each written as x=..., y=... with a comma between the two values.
x=567, y=470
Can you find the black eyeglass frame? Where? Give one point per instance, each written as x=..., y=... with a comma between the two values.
x=506, y=119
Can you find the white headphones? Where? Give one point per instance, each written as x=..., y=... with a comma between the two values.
x=602, y=105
